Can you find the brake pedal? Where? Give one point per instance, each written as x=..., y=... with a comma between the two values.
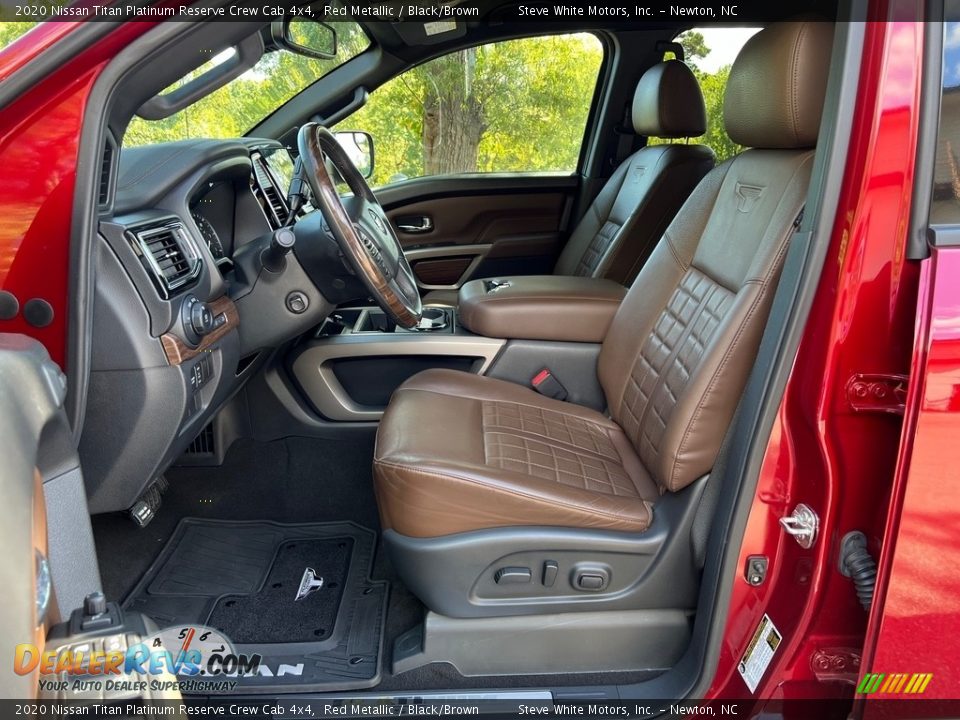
x=147, y=506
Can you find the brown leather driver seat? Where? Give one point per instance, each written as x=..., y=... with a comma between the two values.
x=639, y=200
x=459, y=452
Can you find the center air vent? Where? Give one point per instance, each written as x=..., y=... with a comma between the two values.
x=270, y=197
x=169, y=256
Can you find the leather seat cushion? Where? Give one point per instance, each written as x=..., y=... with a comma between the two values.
x=459, y=452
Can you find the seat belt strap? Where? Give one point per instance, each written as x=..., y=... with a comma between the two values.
x=625, y=138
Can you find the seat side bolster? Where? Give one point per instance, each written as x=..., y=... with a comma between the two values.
x=699, y=420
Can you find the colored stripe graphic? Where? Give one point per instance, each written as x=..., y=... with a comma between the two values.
x=867, y=684
x=894, y=683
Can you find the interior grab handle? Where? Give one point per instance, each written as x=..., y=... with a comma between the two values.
x=415, y=225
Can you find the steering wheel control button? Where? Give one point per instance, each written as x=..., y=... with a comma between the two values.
x=372, y=249
x=512, y=576
x=379, y=222
x=297, y=302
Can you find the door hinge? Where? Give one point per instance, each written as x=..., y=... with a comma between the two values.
x=877, y=392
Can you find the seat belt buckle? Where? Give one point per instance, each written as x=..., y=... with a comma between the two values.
x=546, y=384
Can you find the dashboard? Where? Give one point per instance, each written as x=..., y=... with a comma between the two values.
x=185, y=311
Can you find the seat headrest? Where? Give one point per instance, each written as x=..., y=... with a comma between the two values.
x=777, y=84
x=668, y=102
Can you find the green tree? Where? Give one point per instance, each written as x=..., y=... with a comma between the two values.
x=694, y=47
x=10, y=31
x=454, y=116
x=713, y=86
x=518, y=105
x=233, y=109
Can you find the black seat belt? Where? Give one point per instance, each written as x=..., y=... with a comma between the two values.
x=625, y=138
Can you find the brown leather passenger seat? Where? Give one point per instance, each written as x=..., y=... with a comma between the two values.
x=639, y=200
x=459, y=452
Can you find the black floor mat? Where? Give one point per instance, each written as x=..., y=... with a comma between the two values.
x=269, y=616
x=242, y=578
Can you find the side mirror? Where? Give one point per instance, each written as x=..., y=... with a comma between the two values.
x=305, y=37
x=359, y=146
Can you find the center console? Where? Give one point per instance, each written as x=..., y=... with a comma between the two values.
x=358, y=357
x=509, y=328
x=541, y=307
x=365, y=320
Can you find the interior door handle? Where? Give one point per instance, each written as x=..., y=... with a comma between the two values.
x=415, y=225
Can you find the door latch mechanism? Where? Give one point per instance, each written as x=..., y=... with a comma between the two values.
x=803, y=525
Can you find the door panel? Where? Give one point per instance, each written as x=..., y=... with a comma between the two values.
x=455, y=228
x=442, y=271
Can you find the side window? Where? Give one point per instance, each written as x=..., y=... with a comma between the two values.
x=945, y=199
x=511, y=106
x=10, y=31
x=710, y=53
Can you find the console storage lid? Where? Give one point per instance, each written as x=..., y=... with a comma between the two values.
x=540, y=307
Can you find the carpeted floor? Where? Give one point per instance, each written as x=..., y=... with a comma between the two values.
x=295, y=480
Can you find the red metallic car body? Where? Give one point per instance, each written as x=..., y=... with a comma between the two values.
x=875, y=313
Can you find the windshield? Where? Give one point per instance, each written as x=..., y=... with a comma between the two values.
x=242, y=103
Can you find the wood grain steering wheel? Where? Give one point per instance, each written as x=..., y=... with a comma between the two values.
x=360, y=226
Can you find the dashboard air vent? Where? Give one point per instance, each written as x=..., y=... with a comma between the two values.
x=169, y=256
x=275, y=206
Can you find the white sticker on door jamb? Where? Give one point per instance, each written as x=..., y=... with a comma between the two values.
x=759, y=653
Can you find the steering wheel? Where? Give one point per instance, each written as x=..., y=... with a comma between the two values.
x=360, y=226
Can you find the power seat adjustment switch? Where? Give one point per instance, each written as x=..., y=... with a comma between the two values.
x=590, y=578
x=549, y=575
x=512, y=576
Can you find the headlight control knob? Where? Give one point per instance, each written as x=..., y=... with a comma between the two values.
x=201, y=318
